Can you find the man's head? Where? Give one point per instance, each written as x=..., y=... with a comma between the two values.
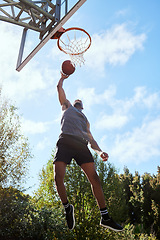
x=78, y=104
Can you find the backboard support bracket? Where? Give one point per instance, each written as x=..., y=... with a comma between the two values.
x=21, y=63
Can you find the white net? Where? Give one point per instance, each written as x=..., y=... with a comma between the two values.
x=75, y=42
x=77, y=59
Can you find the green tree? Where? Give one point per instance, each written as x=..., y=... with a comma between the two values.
x=148, y=215
x=142, y=200
x=14, y=148
x=46, y=193
x=152, y=207
x=13, y=207
x=126, y=180
x=20, y=218
x=137, y=198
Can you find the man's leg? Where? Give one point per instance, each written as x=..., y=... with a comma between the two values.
x=59, y=173
x=106, y=221
x=90, y=171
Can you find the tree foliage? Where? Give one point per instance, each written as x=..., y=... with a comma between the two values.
x=21, y=219
x=143, y=198
x=46, y=193
x=14, y=147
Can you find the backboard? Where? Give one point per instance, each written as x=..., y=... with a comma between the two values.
x=43, y=16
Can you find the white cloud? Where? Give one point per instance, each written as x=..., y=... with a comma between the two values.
x=24, y=85
x=10, y=40
x=111, y=121
x=115, y=46
x=152, y=100
x=139, y=145
x=90, y=97
x=141, y=97
x=32, y=127
x=33, y=77
x=43, y=144
x=121, y=111
x=123, y=12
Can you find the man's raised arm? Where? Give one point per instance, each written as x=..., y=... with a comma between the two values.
x=61, y=93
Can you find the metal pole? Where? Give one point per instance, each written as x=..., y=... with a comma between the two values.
x=58, y=11
x=66, y=6
x=21, y=50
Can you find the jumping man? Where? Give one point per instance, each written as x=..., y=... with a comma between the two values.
x=72, y=143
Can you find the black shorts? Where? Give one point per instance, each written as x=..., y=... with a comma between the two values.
x=69, y=147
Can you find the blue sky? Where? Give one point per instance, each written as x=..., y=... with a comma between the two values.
x=119, y=84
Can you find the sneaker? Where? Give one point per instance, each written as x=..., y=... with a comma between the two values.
x=109, y=223
x=70, y=218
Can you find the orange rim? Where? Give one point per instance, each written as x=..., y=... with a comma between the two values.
x=70, y=29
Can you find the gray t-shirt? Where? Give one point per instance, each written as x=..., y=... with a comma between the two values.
x=74, y=122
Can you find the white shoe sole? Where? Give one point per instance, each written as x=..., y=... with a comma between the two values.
x=116, y=230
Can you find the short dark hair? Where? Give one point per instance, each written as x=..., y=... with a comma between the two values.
x=77, y=103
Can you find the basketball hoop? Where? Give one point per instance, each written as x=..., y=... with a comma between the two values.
x=74, y=42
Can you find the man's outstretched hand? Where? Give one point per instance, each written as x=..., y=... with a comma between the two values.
x=104, y=156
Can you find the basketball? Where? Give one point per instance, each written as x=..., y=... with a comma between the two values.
x=68, y=67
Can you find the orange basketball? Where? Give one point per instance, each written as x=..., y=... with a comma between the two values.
x=68, y=67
